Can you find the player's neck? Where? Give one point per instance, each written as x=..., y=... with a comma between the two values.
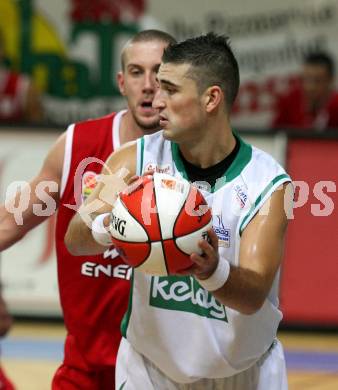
x=129, y=130
x=214, y=146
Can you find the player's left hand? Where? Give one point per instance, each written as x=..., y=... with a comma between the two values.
x=206, y=263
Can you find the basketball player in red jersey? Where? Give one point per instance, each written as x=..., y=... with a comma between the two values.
x=94, y=289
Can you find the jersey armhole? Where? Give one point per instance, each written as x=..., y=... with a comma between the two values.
x=261, y=199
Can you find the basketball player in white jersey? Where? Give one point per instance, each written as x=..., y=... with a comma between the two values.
x=214, y=327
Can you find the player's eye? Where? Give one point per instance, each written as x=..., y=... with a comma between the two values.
x=135, y=72
x=170, y=90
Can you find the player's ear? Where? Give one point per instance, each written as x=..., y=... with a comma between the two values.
x=213, y=98
x=120, y=82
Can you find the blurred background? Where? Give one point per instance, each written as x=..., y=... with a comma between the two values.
x=58, y=61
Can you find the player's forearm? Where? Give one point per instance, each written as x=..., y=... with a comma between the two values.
x=10, y=237
x=79, y=239
x=10, y=231
x=244, y=291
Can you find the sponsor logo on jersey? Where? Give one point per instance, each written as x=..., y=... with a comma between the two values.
x=95, y=270
x=241, y=196
x=89, y=182
x=183, y=293
x=223, y=234
x=153, y=167
x=110, y=253
x=172, y=185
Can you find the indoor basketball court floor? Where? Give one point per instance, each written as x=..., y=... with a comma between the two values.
x=32, y=352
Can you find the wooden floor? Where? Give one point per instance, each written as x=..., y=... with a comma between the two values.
x=325, y=376
x=32, y=352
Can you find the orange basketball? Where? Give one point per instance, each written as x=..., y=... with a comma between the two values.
x=156, y=223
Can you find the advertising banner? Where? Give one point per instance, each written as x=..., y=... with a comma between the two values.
x=28, y=269
x=72, y=47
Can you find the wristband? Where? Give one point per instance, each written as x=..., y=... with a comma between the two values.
x=99, y=231
x=218, y=278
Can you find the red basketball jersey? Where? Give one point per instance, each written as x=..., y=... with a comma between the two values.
x=93, y=289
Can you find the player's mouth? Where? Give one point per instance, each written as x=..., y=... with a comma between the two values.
x=163, y=121
x=147, y=108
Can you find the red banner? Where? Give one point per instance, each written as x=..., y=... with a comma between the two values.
x=309, y=289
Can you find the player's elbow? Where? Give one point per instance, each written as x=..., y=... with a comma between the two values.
x=252, y=305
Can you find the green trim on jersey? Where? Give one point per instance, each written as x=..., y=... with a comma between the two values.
x=273, y=183
x=126, y=317
x=123, y=384
x=140, y=153
x=242, y=159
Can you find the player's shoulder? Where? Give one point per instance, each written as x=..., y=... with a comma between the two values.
x=94, y=122
x=125, y=157
x=262, y=158
x=263, y=168
x=125, y=151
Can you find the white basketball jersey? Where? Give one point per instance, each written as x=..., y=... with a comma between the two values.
x=172, y=320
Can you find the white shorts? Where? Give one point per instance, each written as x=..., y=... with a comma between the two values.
x=135, y=372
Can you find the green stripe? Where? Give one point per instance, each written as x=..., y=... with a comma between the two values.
x=126, y=317
x=242, y=159
x=141, y=157
x=277, y=179
x=122, y=386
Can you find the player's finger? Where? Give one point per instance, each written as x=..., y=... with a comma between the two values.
x=213, y=239
x=207, y=249
x=197, y=259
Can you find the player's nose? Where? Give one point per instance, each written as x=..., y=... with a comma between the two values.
x=149, y=85
x=158, y=101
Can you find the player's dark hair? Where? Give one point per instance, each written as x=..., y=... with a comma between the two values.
x=147, y=36
x=322, y=59
x=212, y=63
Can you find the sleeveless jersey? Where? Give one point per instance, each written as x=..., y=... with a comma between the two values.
x=173, y=321
x=93, y=289
x=13, y=91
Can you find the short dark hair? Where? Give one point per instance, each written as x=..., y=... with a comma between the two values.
x=147, y=36
x=212, y=62
x=322, y=59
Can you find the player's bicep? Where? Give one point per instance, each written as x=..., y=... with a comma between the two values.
x=263, y=239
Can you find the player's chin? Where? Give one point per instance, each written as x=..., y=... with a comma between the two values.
x=168, y=134
x=149, y=124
